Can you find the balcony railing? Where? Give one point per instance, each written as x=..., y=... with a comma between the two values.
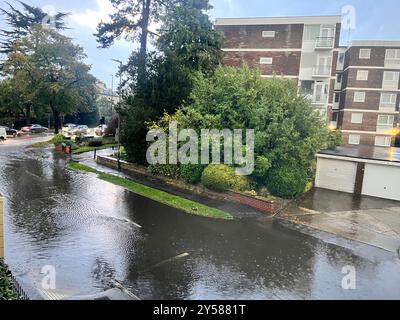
x=392, y=63
x=322, y=71
x=324, y=43
x=317, y=99
x=387, y=107
x=384, y=128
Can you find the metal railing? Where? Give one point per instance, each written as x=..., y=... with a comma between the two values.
x=322, y=71
x=324, y=43
x=18, y=290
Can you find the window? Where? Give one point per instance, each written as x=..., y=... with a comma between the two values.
x=268, y=34
x=362, y=75
x=359, y=96
x=365, y=54
x=265, y=60
x=341, y=57
x=311, y=32
x=385, y=120
x=391, y=79
x=388, y=100
x=339, y=78
x=383, y=141
x=356, y=118
x=337, y=97
x=354, y=139
x=392, y=54
x=335, y=116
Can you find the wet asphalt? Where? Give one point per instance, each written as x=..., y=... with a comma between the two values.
x=96, y=235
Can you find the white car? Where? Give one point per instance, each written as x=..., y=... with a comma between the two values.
x=3, y=134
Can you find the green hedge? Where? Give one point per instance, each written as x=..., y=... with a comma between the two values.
x=287, y=181
x=191, y=173
x=166, y=170
x=6, y=292
x=220, y=177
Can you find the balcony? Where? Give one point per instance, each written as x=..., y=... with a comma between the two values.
x=384, y=128
x=392, y=63
x=324, y=43
x=322, y=71
x=387, y=107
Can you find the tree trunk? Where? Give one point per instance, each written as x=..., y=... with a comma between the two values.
x=28, y=114
x=143, y=40
x=57, y=120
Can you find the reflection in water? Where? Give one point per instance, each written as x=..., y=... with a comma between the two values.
x=95, y=233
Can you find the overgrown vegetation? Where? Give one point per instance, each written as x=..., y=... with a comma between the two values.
x=220, y=177
x=6, y=292
x=157, y=195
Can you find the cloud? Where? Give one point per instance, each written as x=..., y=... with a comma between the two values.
x=90, y=18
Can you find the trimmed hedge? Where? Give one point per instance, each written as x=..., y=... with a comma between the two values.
x=220, y=177
x=287, y=181
x=166, y=170
x=191, y=173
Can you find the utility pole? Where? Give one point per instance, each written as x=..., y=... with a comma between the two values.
x=119, y=116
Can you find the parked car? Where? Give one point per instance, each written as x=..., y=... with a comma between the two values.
x=34, y=128
x=68, y=128
x=81, y=130
x=3, y=134
x=101, y=130
x=10, y=132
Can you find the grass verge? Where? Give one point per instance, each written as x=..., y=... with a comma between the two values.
x=42, y=144
x=186, y=205
x=88, y=149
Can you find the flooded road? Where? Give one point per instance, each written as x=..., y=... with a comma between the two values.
x=96, y=234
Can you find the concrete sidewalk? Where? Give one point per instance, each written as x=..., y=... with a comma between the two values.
x=368, y=220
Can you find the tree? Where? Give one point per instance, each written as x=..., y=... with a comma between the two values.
x=187, y=44
x=288, y=130
x=20, y=23
x=132, y=20
x=105, y=108
x=59, y=80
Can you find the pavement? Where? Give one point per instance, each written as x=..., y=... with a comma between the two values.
x=368, y=220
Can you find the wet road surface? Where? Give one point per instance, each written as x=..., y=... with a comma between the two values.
x=96, y=234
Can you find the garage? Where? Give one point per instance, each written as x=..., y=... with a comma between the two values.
x=363, y=170
x=336, y=174
x=382, y=181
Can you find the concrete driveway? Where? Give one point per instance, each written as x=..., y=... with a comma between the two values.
x=369, y=220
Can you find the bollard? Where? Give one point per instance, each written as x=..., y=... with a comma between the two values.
x=1, y=228
x=95, y=152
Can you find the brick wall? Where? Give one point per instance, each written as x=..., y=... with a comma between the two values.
x=287, y=63
x=365, y=139
x=250, y=36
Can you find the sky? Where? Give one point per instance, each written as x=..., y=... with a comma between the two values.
x=375, y=20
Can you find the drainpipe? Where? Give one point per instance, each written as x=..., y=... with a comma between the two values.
x=1, y=228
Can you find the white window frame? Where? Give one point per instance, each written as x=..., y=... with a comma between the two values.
x=359, y=93
x=357, y=118
x=266, y=60
x=387, y=141
x=268, y=34
x=393, y=82
x=354, y=139
x=362, y=75
x=389, y=122
x=396, y=54
x=364, y=54
x=392, y=99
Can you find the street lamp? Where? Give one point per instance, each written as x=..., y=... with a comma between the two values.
x=119, y=117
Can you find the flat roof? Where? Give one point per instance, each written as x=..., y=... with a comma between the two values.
x=278, y=20
x=376, y=43
x=366, y=153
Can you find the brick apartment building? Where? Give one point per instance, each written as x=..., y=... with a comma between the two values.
x=306, y=49
x=366, y=107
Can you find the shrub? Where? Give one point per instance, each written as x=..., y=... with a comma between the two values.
x=57, y=139
x=192, y=172
x=220, y=177
x=287, y=181
x=166, y=170
x=95, y=143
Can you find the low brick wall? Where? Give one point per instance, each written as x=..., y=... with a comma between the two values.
x=1, y=228
x=258, y=203
x=264, y=205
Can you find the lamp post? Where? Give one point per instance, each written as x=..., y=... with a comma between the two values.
x=119, y=117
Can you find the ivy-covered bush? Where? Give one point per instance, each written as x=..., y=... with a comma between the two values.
x=220, y=177
x=6, y=292
x=287, y=181
x=192, y=172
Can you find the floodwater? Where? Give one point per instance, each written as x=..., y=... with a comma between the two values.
x=95, y=234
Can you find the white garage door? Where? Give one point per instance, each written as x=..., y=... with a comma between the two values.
x=382, y=181
x=336, y=175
